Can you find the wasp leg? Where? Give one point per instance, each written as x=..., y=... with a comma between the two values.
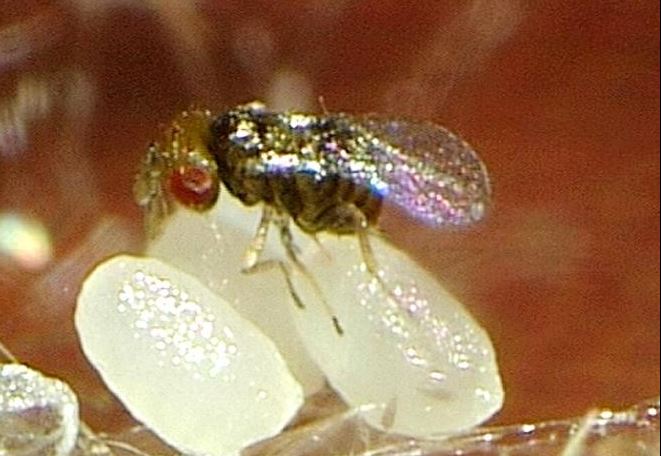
x=322, y=103
x=254, y=251
x=352, y=220
x=349, y=215
x=268, y=265
x=362, y=229
x=288, y=242
x=365, y=246
x=252, y=263
x=321, y=247
x=291, y=251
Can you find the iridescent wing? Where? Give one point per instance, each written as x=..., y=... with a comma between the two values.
x=431, y=173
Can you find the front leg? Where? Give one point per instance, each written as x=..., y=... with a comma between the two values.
x=251, y=257
x=254, y=251
x=252, y=263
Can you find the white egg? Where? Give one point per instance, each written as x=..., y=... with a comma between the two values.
x=411, y=356
x=181, y=359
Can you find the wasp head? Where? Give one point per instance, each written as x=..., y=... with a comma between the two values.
x=181, y=171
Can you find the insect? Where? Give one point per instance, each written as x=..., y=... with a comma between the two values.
x=325, y=173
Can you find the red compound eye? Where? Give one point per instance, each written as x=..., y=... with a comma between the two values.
x=194, y=187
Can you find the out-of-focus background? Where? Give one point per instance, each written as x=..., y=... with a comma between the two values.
x=560, y=96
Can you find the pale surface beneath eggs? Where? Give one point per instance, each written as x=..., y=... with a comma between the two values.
x=181, y=359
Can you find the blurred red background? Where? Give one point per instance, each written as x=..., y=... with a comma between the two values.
x=560, y=97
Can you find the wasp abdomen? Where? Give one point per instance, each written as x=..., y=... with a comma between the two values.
x=329, y=204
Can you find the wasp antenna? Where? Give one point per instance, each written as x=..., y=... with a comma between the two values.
x=322, y=103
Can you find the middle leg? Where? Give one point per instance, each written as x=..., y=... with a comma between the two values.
x=292, y=251
x=348, y=218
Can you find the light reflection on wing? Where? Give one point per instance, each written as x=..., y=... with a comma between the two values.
x=431, y=173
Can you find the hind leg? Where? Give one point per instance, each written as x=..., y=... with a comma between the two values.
x=349, y=219
x=292, y=254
